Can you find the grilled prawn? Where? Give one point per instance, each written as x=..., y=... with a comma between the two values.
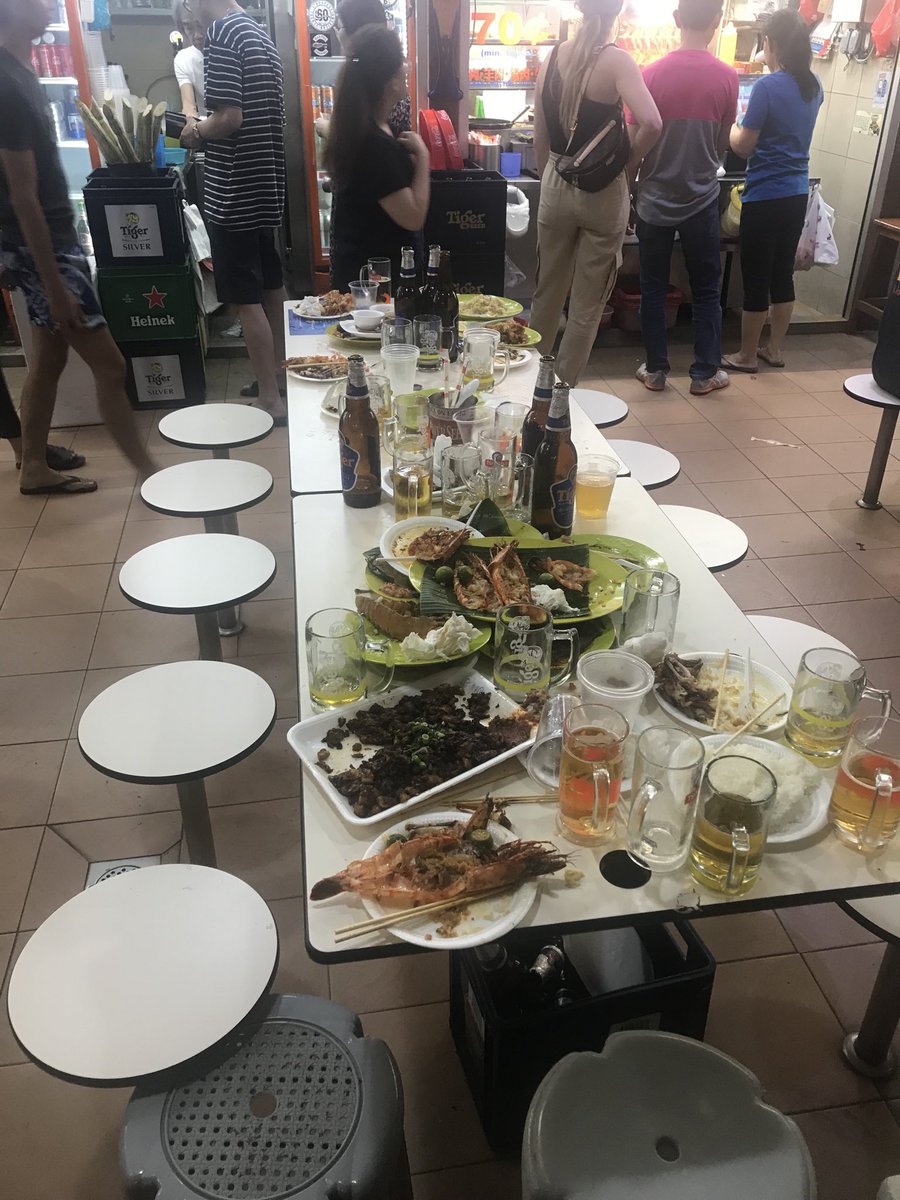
x=508, y=576
x=570, y=575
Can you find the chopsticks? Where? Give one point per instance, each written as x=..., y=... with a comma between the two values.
x=715, y=723
x=540, y=798
x=347, y=932
x=743, y=729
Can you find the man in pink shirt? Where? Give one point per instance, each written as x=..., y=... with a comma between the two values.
x=678, y=192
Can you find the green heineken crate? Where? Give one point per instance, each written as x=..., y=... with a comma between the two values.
x=149, y=303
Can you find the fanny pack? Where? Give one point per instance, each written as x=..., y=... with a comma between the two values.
x=603, y=157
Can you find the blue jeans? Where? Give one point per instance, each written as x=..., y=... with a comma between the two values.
x=700, y=243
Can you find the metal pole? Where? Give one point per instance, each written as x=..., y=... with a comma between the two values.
x=869, y=1051
x=869, y=498
x=208, y=635
x=220, y=452
x=230, y=624
x=195, y=822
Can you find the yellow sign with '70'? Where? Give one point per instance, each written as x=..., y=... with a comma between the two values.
x=510, y=28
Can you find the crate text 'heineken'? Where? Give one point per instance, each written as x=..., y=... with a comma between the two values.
x=149, y=303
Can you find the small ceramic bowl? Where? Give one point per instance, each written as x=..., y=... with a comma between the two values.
x=367, y=320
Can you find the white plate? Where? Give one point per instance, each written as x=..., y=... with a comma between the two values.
x=484, y=920
x=331, y=413
x=386, y=545
x=775, y=685
x=349, y=326
x=816, y=817
x=305, y=739
x=387, y=484
x=527, y=356
x=299, y=373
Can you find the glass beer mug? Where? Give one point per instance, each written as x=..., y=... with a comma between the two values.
x=665, y=786
x=827, y=691
x=481, y=355
x=524, y=639
x=865, y=803
x=730, y=831
x=590, y=773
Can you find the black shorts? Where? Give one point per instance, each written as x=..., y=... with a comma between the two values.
x=246, y=263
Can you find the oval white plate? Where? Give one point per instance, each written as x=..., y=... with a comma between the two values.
x=527, y=356
x=484, y=920
x=349, y=326
x=387, y=538
x=775, y=685
x=816, y=817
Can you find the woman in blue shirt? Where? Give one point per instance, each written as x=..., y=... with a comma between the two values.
x=775, y=136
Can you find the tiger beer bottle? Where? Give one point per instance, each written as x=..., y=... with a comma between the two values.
x=359, y=441
x=536, y=421
x=555, y=469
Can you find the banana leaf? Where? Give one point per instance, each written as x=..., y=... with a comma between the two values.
x=382, y=569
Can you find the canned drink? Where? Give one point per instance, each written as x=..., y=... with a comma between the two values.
x=65, y=58
x=58, y=116
x=43, y=51
x=35, y=60
x=56, y=69
x=75, y=126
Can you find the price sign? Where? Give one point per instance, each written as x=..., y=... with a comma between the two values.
x=510, y=28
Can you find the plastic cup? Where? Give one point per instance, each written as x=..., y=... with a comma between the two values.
x=615, y=678
x=400, y=367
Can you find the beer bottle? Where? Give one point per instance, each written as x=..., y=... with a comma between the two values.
x=359, y=441
x=555, y=468
x=448, y=308
x=536, y=421
x=406, y=298
x=504, y=976
x=428, y=296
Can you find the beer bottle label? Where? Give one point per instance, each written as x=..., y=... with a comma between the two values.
x=349, y=464
x=562, y=500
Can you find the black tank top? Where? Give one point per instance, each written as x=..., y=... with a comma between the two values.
x=592, y=114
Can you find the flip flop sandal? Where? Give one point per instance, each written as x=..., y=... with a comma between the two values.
x=769, y=360
x=730, y=365
x=60, y=458
x=72, y=485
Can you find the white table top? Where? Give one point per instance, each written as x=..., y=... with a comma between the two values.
x=198, y=572
x=142, y=972
x=207, y=426
x=708, y=619
x=313, y=436
x=719, y=542
x=177, y=721
x=205, y=487
x=865, y=389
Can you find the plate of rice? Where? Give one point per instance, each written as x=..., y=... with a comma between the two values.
x=803, y=792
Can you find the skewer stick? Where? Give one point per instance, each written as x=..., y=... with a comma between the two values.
x=540, y=798
x=715, y=723
x=359, y=928
x=743, y=729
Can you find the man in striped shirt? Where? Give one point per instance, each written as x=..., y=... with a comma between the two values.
x=243, y=138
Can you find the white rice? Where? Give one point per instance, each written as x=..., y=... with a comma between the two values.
x=796, y=780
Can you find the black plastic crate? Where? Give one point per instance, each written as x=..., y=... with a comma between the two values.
x=479, y=272
x=165, y=374
x=467, y=213
x=135, y=218
x=505, y=1059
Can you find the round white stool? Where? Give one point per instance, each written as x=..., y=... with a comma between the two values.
x=869, y=1051
x=651, y=466
x=142, y=972
x=215, y=490
x=200, y=574
x=791, y=639
x=866, y=390
x=601, y=408
x=216, y=427
x=719, y=542
x=177, y=723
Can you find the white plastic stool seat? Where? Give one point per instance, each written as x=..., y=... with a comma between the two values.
x=196, y=573
x=657, y=1116
x=879, y=914
x=791, y=639
x=216, y=426
x=890, y=1189
x=719, y=542
x=601, y=408
x=207, y=487
x=651, y=466
x=866, y=390
x=142, y=972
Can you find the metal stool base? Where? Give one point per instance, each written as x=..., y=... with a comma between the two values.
x=882, y=1070
x=861, y=503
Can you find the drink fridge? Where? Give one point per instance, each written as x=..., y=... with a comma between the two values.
x=320, y=56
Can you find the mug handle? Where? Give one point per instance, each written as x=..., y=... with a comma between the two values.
x=600, y=811
x=570, y=636
x=883, y=696
x=634, y=841
x=740, y=853
x=501, y=355
x=389, y=429
x=382, y=677
x=881, y=803
x=364, y=274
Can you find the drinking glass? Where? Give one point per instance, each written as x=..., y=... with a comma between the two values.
x=512, y=473
x=545, y=755
x=378, y=271
x=413, y=459
x=363, y=293
x=481, y=355
x=828, y=688
x=427, y=334
x=865, y=803
x=399, y=362
x=380, y=397
x=523, y=639
x=649, y=612
x=508, y=419
x=590, y=773
x=396, y=331
x=460, y=479
x=617, y=679
x=665, y=786
x=594, y=485
x=336, y=650
x=733, y=818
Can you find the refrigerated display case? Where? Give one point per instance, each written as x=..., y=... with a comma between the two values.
x=320, y=59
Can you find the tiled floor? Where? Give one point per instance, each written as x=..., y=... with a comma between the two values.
x=787, y=985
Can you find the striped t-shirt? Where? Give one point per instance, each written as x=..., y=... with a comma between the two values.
x=244, y=178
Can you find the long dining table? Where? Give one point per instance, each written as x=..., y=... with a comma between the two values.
x=329, y=540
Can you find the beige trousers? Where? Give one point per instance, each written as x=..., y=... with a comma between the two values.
x=580, y=238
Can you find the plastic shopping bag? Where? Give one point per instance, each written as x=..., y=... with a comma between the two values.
x=886, y=28
x=730, y=225
x=817, y=246
x=197, y=235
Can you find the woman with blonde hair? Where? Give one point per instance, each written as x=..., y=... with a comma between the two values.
x=582, y=217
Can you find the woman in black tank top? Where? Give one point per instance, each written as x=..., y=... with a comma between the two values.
x=580, y=233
